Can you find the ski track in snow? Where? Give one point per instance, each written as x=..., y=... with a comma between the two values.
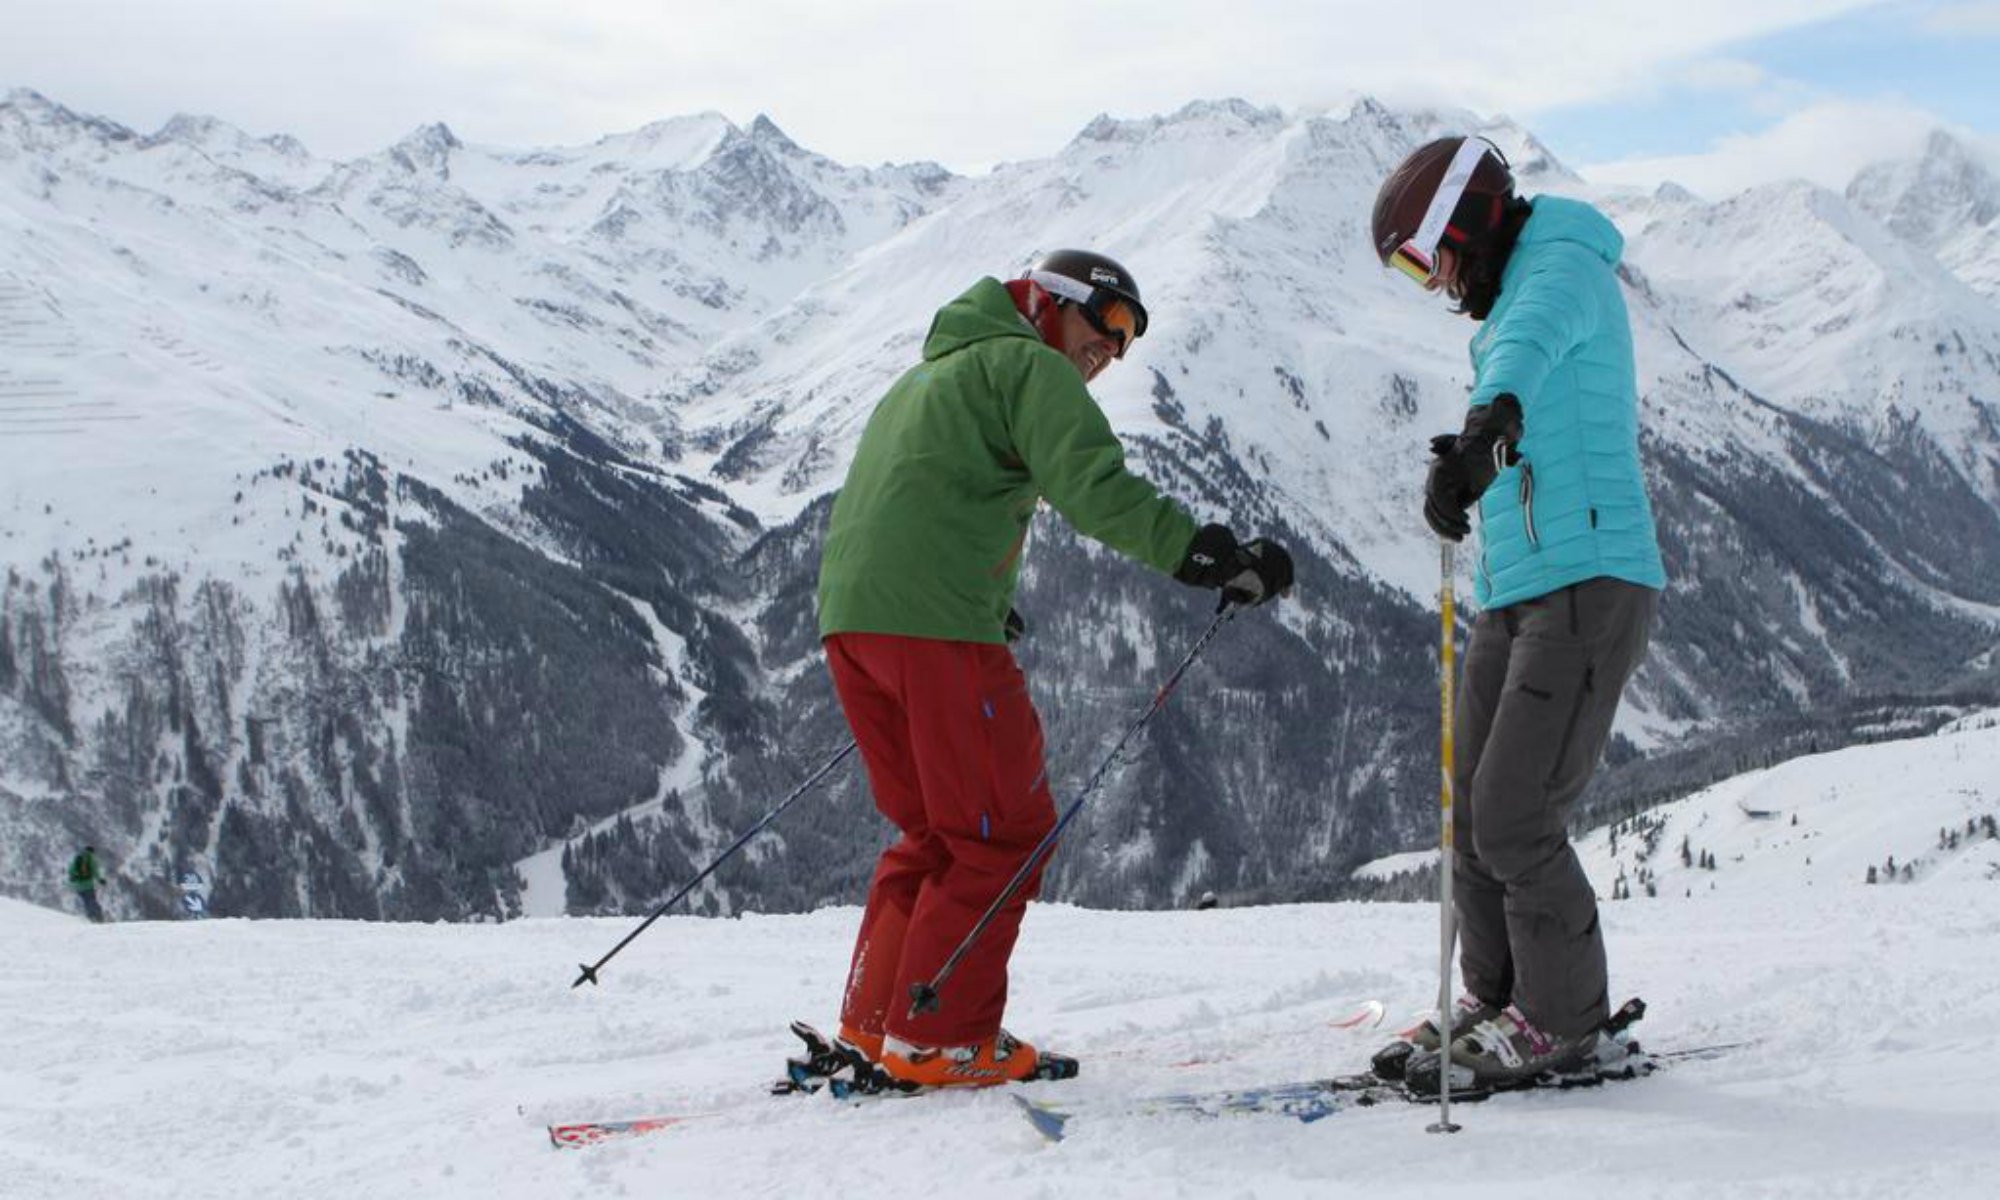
x=303, y=1059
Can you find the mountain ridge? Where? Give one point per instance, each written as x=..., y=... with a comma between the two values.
x=261, y=429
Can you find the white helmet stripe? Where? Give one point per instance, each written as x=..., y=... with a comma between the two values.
x=1061, y=285
x=1450, y=189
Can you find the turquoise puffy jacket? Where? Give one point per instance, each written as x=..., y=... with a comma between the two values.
x=1559, y=341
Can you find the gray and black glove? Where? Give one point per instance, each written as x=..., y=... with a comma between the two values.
x=1464, y=464
x=1249, y=573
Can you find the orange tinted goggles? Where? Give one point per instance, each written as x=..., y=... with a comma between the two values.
x=1114, y=318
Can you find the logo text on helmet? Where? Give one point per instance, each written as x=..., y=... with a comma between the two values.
x=1103, y=275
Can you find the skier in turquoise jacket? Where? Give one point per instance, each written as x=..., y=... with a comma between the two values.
x=1573, y=504
x=1568, y=581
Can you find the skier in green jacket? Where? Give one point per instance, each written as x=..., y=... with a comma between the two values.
x=84, y=876
x=916, y=586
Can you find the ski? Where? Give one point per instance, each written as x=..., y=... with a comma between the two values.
x=1305, y=1101
x=1312, y=1100
x=578, y=1135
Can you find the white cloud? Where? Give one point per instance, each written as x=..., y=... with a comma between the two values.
x=1980, y=18
x=861, y=80
x=1825, y=143
x=1722, y=75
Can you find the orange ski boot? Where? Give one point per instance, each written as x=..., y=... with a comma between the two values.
x=870, y=1044
x=1002, y=1058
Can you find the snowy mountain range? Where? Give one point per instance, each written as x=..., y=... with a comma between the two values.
x=375, y=527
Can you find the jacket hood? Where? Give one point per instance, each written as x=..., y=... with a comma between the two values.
x=985, y=311
x=1560, y=219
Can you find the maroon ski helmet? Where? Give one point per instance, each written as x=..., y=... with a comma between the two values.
x=1425, y=179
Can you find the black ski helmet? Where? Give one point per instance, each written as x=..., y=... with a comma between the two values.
x=1099, y=274
x=1404, y=198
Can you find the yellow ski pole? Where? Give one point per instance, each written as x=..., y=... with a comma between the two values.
x=1447, y=929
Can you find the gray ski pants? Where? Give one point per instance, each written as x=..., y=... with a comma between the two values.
x=1540, y=686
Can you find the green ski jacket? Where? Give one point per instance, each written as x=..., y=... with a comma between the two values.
x=84, y=875
x=925, y=538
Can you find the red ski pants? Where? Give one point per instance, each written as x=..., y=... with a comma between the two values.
x=954, y=754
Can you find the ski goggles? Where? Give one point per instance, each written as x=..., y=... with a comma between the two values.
x=1417, y=255
x=1109, y=313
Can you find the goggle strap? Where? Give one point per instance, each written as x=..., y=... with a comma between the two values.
x=1451, y=189
x=1062, y=285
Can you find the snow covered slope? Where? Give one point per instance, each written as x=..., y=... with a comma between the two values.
x=1928, y=805
x=1902, y=812
x=243, y=1059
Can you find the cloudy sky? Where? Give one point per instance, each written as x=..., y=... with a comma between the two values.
x=1716, y=94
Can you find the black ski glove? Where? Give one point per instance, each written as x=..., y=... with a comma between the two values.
x=1248, y=573
x=1464, y=464
x=1265, y=574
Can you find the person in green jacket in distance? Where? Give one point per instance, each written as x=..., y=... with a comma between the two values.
x=916, y=588
x=84, y=877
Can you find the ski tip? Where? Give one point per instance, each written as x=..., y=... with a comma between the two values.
x=1047, y=1121
x=1367, y=1016
x=580, y=1136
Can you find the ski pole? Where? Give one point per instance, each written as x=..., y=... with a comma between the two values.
x=924, y=996
x=1447, y=754
x=590, y=972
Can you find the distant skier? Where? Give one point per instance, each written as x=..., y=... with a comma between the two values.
x=84, y=877
x=915, y=597
x=1568, y=581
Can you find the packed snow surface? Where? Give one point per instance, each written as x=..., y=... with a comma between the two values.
x=307, y=1059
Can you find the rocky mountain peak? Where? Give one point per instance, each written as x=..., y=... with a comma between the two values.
x=765, y=131
x=427, y=150
x=676, y=143
x=1924, y=198
x=1201, y=116
x=1945, y=202
x=38, y=123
